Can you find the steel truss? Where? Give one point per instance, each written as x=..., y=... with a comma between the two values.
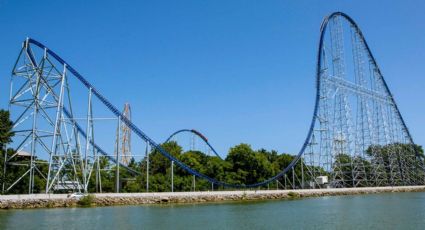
x=124, y=138
x=363, y=140
x=45, y=125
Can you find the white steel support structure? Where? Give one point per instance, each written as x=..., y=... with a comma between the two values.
x=359, y=138
x=48, y=138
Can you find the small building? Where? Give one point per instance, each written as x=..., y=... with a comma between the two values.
x=23, y=154
x=68, y=186
x=321, y=180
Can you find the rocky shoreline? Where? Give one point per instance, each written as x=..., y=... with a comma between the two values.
x=110, y=199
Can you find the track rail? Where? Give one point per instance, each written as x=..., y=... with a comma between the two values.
x=197, y=133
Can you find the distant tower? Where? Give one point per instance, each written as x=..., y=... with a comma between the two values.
x=125, y=137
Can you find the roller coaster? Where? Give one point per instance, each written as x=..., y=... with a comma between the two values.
x=355, y=115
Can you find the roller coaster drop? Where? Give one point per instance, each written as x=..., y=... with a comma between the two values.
x=357, y=136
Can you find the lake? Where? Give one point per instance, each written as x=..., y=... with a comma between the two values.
x=378, y=211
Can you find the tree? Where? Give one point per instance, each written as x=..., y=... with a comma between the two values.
x=398, y=162
x=6, y=126
x=6, y=135
x=159, y=163
x=249, y=166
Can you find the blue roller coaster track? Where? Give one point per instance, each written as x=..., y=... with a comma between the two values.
x=170, y=157
x=197, y=133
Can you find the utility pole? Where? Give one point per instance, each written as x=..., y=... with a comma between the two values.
x=172, y=176
x=117, y=171
x=147, y=167
x=302, y=173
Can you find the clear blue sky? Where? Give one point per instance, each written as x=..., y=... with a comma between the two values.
x=238, y=71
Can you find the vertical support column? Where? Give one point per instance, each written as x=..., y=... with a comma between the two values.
x=302, y=173
x=117, y=171
x=92, y=141
x=172, y=176
x=96, y=182
x=98, y=176
x=56, y=131
x=147, y=167
x=194, y=183
x=293, y=178
x=85, y=169
x=34, y=128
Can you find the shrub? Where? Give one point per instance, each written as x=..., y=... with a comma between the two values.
x=293, y=195
x=87, y=200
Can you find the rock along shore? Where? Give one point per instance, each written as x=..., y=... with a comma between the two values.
x=109, y=199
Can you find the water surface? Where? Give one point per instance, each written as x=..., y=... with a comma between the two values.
x=380, y=211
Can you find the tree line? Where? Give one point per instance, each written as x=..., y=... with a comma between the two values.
x=242, y=165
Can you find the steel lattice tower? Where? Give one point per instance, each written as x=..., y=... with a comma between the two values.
x=124, y=138
x=363, y=140
x=45, y=126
